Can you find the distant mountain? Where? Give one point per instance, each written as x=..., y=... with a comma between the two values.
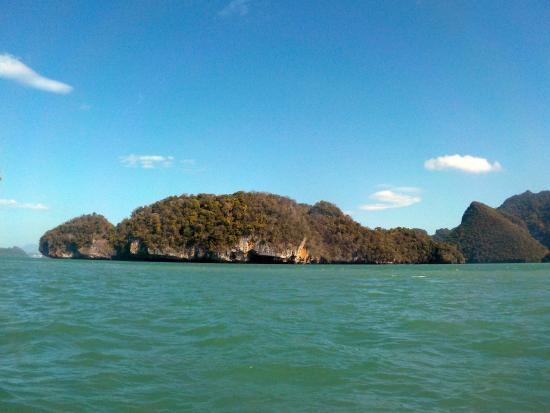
x=491, y=235
x=12, y=252
x=242, y=227
x=534, y=211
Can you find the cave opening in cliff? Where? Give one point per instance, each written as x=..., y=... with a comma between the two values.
x=255, y=258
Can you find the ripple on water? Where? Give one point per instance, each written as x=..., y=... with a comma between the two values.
x=110, y=337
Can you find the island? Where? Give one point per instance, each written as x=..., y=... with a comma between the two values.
x=13, y=252
x=242, y=227
x=258, y=227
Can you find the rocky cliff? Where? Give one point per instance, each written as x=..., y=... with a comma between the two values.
x=245, y=250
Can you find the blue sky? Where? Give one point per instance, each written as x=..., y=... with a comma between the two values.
x=109, y=106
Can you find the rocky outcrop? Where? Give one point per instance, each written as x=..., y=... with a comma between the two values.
x=85, y=237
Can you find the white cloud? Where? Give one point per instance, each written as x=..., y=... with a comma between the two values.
x=235, y=8
x=12, y=203
x=13, y=69
x=388, y=199
x=466, y=163
x=147, y=161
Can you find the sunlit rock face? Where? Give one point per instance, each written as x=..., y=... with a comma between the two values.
x=246, y=250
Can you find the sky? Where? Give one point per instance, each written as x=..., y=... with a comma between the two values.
x=399, y=112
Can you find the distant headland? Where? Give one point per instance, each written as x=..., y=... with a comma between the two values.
x=257, y=227
x=27, y=251
x=14, y=252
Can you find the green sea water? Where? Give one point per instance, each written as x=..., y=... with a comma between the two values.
x=82, y=336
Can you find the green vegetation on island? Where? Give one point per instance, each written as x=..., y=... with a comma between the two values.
x=517, y=231
x=534, y=211
x=263, y=227
x=487, y=235
x=87, y=236
x=242, y=227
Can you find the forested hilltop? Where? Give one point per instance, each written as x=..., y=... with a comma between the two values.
x=242, y=227
x=517, y=231
x=534, y=211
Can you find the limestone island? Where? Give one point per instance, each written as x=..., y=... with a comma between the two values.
x=257, y=227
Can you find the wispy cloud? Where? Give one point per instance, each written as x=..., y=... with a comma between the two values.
x=235, y=8
x=14, y=69
x=412, y=189
x=12, y=203
x=466, y=163
x=189, y=165
x=147, y=161
x=397, y=197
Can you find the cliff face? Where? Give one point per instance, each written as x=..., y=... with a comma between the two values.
x=245, y=250
x=488, y=235
x=242, y=227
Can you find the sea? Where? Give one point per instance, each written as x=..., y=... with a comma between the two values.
x=100, y=336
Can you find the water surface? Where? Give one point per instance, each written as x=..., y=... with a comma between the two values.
x=117, y=336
